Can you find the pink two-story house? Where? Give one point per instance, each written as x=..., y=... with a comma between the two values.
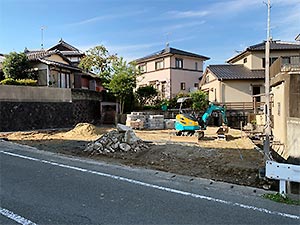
x=171, y=71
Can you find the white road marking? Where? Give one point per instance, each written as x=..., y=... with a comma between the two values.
x=157, y=187
x=15, y=217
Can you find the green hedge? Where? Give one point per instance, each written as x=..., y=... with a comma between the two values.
x=24, y=82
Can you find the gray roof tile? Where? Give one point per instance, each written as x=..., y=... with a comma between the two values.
x=172, y=51
x=275, y=45
x=235, y=72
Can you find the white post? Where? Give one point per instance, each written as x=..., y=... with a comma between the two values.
x=282, y=187
x=267, y=89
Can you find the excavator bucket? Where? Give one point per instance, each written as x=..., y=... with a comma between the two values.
x=222, y=131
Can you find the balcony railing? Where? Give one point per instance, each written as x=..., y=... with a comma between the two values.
x=245, y=106
x=286, y=63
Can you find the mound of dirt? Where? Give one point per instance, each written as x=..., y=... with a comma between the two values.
x=84, y=129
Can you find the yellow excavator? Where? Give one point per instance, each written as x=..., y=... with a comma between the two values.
x=188, y=125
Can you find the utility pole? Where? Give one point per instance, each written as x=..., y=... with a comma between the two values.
x=267, y=88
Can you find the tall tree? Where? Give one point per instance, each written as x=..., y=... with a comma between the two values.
x=123, y=80
x=199, y=99
x=146, y=94
x=99, y=61
x=16, y=66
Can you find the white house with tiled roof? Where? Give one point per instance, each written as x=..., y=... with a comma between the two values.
x=57, y=66
x=53, y=68
x=171, y=71
x=69, y=51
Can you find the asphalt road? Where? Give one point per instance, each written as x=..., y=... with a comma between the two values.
x=44, y=188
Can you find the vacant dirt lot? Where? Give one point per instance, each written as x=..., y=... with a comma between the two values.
x=234, y=161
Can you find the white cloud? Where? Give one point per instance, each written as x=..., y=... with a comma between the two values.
x=186, y=14
x=183, y=25
x=108, y=17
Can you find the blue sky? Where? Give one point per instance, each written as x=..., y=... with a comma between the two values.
x=135, y=28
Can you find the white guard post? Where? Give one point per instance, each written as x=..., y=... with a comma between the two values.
x=282, y=172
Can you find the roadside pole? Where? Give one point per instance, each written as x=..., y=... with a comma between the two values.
x=267, y=89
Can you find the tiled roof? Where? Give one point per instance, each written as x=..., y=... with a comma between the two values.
x=172, y=51
x=62, y=45
x=235, y=72
x=275, y=45
x=32, y=55
x=54, y=63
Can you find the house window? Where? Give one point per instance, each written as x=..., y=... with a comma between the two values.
x=182, y=86
x=245, y=60
x=196, y=65
x=207, y=79
x=153, y=83
x=67, y=80
x=273, y=59
x=163, y=89
x=143, y=68
x=256, y=91
x=286, y=60
x=64, y=80
x=179, y=63
x=159, y=65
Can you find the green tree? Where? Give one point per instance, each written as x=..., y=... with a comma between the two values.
x=123, y=80
x=16, y=66
x=99, y=61
x=146, y=94
x=199, y=99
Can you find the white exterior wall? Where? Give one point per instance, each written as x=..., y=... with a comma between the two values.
x=57, y=58
x=188, y=62
x=240, y=90
x=293, y=137
x=188, y=77
x=159, y=75
x=254, y=60
x=279, y=113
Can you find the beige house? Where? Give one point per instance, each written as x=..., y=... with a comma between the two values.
x=233, y=85
x=285, y=88
x=171, y=71
x=237, y=83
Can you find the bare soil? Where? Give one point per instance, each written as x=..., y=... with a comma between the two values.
x=235, y=160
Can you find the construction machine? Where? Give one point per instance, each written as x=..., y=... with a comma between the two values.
x=187, y=124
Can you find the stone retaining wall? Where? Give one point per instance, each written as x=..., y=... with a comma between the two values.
x=17, y=114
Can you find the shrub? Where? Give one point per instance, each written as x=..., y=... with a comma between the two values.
x=16, y=65
x=9, y=81
x=27, y=82
x=24, y=82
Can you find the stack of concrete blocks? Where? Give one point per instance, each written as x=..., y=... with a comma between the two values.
x=156, y=122
x=137, y=120
x=169, y=123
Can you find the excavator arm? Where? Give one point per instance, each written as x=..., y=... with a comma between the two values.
x=211, y=108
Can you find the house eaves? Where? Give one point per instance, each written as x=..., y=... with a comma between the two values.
x=42, y=54
x=274, y=46
x=63, y=46
x=58, y=64
x=169, y=52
